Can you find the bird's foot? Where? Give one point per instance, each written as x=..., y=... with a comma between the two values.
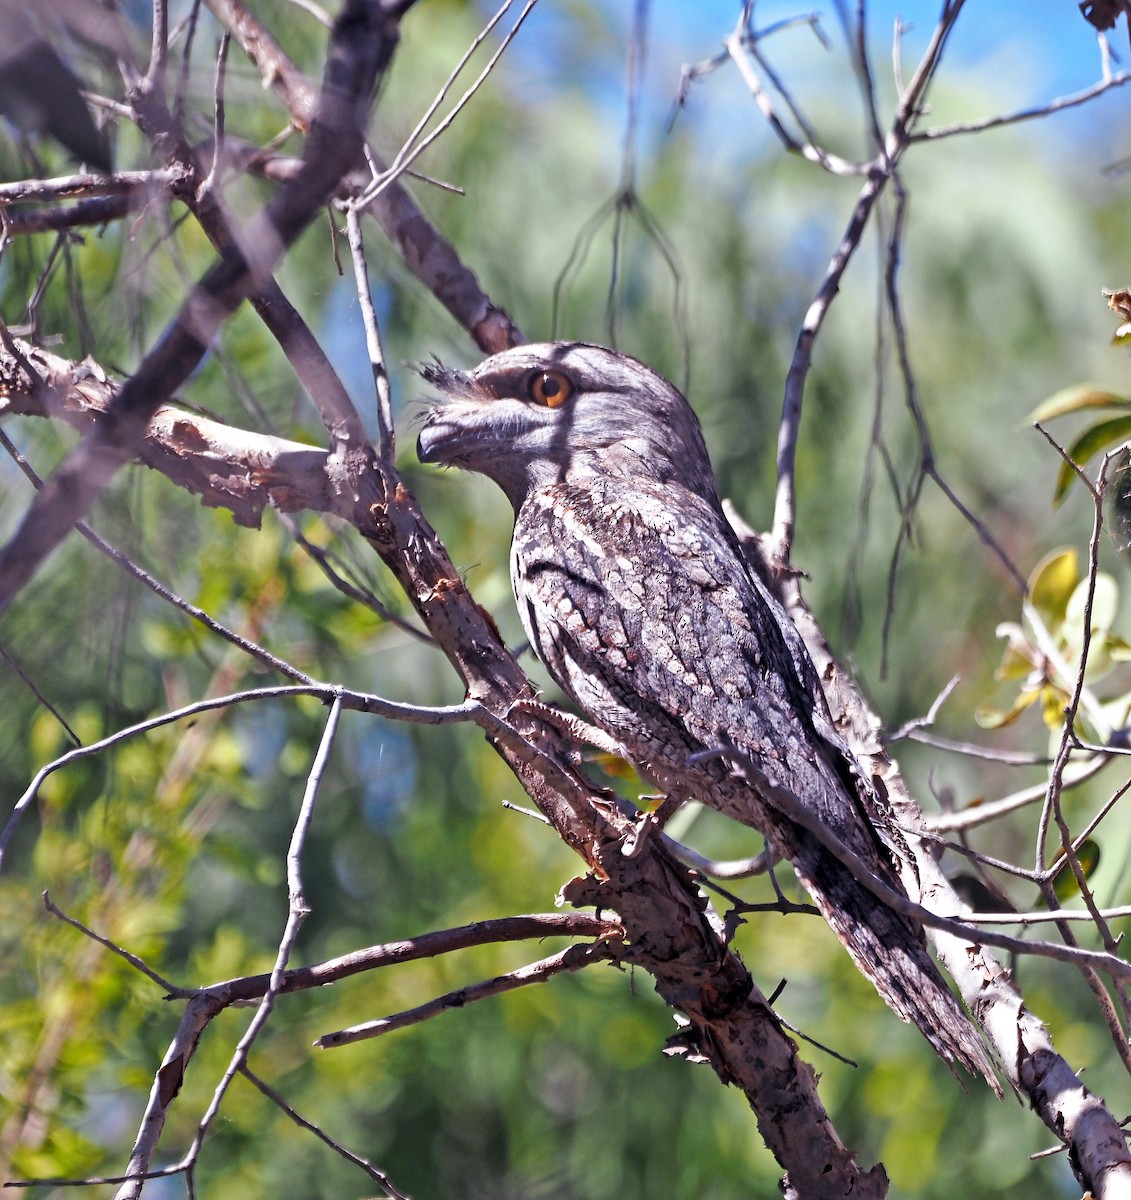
x=649, y=825
x=571, y=725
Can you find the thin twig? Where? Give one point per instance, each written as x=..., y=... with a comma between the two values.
x=1026, y=114
x=360, y=701
x=917, y=723
x=212, y=179
x=878, y=175
x=297, y=913
x=170, y=988
x=573, y=958
x=35, y=690
x=416, y=146
x=736, y=47
x=982, y=813
x=347, y=587
x=378, y=1176
x=386, y=447
x=1013, y=758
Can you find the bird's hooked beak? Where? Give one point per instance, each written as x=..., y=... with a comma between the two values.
x=501, y=419
x=442, y=430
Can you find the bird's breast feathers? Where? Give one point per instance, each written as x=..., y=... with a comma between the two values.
x=635, y=600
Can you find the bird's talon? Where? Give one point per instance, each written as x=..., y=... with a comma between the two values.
x=642, y=832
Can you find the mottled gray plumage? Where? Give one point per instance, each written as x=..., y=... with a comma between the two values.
x=637, y=597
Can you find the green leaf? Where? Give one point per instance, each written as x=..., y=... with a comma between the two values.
x=1094, y=439
x=996, y=718
x=1053, y=700
x=1105, y=601
x=1118, y=501
x=1052, y=583
x=1077, y=398
x=1019, y=657
x=1064, y=882
x=1118, y=649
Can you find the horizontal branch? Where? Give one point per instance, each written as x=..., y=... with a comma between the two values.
x=426, y=252
x=360, y=50
x=991, y=810
x=1061, y=104
x=227, y=467
x=426, y=945
x=572, y=958
x=101, y=210
x=356, y=701
x=165, y=181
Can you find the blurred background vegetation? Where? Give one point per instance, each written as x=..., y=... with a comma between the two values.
x=173, y=844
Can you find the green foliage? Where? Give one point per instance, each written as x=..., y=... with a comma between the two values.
x=1065, y=883
x=1063, y=612
x=1112, y=431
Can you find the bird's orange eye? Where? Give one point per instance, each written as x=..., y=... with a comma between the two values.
x=550, y=388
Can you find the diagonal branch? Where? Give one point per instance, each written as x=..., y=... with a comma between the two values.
x=879, y=174
x=426, y=252
x=572, y=958
x=362, y=46
x=1076, y=1116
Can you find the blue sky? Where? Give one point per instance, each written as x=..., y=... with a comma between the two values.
x=1025, y=53
x=1048, y=41
x=1015, y=53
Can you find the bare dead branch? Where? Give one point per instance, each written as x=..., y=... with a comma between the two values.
x=206, y=1003
x=132, y=959
x=927, y=466
x=166, y=1084
x=359, y=53
x=416, y=144
x=880, y=171
x=741, y=51
x=211, y=181
x=1041, y=918
x=100, y=210
x=356, y=592
x=296, y=915
x=981, y=814
x=387, y=437
x=1069, y=1109
x=1027, y=114
x=25, y=678
x=573, y=958
x=378, y=1176
x=93, y=1180
x=159, y=49
x=427, y=945
x=160, y=182
x=168, y=1079
x=1014, y=758
x=426, y=253
x=359, y=701
x=931, y=716
x=228, y=467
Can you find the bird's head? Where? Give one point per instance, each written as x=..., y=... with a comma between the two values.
x=557, y=412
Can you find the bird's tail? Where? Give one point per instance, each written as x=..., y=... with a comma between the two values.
x=889, y=949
